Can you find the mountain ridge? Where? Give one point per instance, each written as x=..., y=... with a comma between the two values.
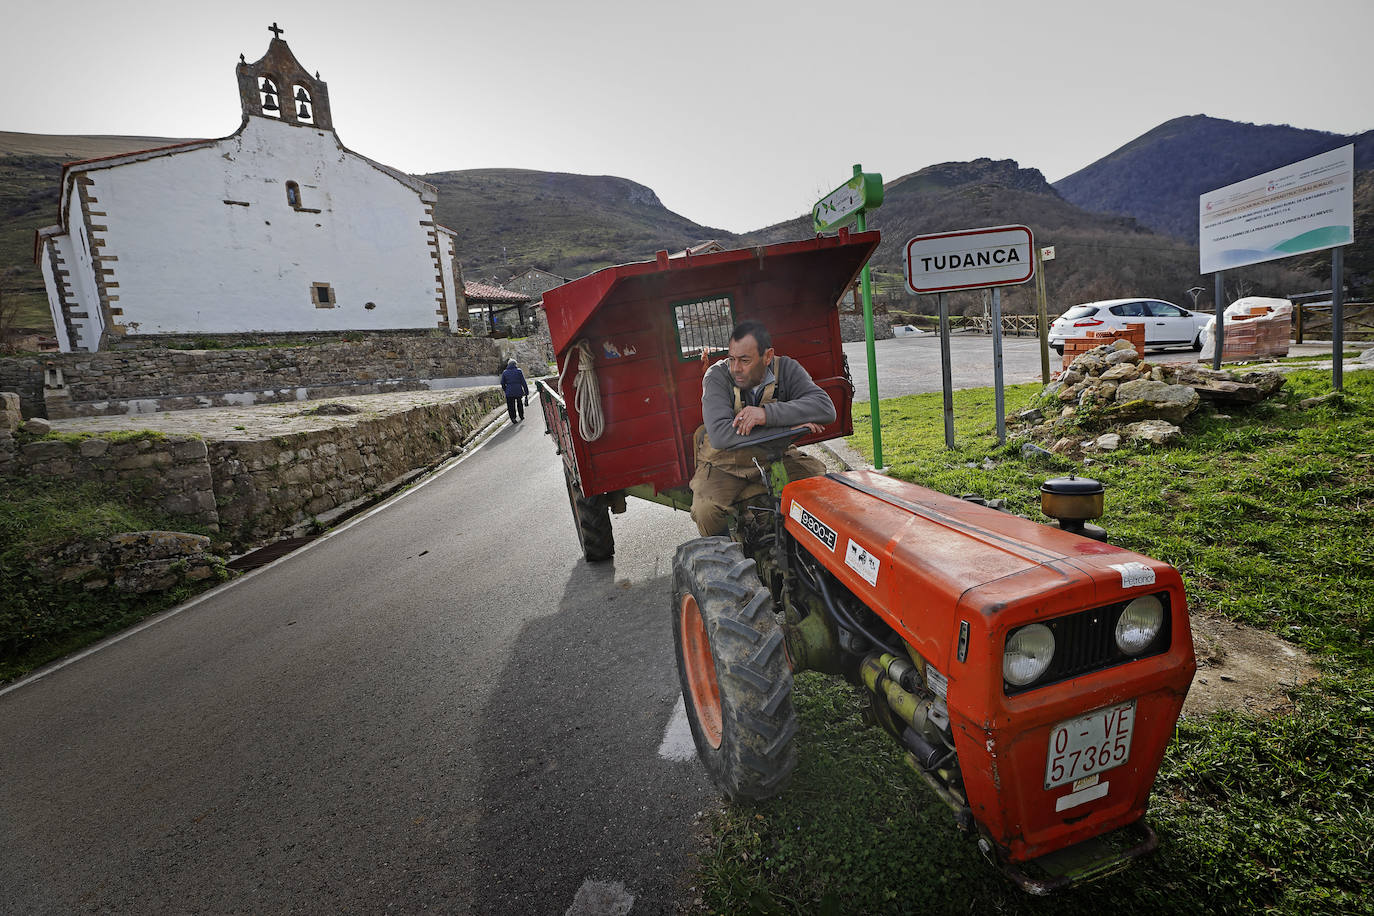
x=1121, y=224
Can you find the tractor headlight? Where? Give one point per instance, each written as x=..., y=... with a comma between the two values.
x=1028, y=654
x=1139, y=624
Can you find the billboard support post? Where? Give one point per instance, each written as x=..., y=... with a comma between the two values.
x=1219, y=325
x=1337, y=318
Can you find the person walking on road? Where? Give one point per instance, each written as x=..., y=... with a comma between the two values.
x=517, y=392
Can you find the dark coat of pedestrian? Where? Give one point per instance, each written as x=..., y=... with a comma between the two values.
x=517, y=391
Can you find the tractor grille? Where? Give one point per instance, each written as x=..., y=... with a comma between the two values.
x=1086, y=642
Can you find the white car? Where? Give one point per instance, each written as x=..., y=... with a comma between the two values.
x=902, y=330
x=1166, y=325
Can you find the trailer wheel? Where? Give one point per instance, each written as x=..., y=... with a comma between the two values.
x=592, y=516
x=735, y=679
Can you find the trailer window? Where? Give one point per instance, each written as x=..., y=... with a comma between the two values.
x=703, y=323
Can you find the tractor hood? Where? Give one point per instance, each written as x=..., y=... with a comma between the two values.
x=919, y=558
x=820, y=268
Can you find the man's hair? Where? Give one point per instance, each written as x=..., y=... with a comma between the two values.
x=756, y=330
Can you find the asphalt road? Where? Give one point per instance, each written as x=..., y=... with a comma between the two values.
x=911, y=365
x=440, y=708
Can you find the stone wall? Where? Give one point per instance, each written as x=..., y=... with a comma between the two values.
x=166, y=473
x=266, y=486
x=852, y=327
x=254, y=490
x=145, y=381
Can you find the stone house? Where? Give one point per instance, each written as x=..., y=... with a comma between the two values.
x=535, y=282
x=277, y=228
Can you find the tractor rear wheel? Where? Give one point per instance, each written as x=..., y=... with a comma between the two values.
x=735, y=679
x=592, y=516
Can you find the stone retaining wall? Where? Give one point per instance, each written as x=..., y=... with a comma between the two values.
x=166, y=473
x=264, y=487
x=145, y=381
x=254, y=490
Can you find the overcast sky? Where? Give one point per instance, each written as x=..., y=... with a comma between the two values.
x=738, y=114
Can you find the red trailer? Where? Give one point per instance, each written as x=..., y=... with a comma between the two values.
x=634, y=335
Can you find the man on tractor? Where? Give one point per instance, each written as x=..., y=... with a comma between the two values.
x=753, y=388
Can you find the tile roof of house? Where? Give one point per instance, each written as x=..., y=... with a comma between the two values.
x=481, y=292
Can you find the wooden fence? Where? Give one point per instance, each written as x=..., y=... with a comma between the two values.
x=1015, y=325
x=1315, y=321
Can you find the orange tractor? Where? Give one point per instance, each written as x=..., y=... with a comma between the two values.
x=1032, y=672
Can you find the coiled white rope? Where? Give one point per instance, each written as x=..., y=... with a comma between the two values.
x=586, y=392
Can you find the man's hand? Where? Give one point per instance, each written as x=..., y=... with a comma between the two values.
x=748, y=418
x=814, y=427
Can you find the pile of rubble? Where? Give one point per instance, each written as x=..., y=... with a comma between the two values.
x=1109, y=396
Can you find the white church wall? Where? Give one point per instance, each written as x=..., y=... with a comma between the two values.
x=235, y=256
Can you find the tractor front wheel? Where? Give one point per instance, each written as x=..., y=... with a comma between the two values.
x=735, y=680
x=592, y=516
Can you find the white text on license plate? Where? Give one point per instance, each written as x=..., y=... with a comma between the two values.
x=1089, y=744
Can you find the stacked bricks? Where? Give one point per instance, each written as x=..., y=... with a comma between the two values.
x=1075, y=347
x=1256, y=331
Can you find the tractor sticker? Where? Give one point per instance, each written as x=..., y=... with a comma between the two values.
x=823, y=532
x=862, y=562
x=1134, y=575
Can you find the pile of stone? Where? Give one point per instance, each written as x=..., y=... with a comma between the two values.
x=1109, y=396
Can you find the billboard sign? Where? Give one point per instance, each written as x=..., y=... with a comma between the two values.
x=969, y=259
x=1306, y=206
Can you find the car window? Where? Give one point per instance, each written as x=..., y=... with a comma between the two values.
x=1081, y=311
x=1165, y=310
x=1129, y=310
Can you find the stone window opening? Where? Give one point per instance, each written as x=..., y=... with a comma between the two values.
x=303, y=103
x=293, y=195
x=323, y=295
x=267, y=98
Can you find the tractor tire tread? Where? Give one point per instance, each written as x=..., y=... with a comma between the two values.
x=756, y=755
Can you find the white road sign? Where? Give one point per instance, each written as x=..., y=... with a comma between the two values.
x=1047, y=253
x=969, y=259
x=1306, y=206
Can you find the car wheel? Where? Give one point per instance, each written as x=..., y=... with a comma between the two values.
x=1197, y=343
x=736, y=682
x=1058, y=348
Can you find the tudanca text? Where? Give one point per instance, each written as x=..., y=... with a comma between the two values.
x=967, y=259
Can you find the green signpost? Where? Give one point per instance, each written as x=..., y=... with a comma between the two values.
x=848, y=204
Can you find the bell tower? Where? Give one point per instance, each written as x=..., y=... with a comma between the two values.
x=278, y=87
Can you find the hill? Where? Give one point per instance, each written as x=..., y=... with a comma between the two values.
x=1098, y=220
x=1098, y=256
x=568, y=224
x=1158, y=177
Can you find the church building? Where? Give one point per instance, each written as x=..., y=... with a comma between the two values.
x=276, y=228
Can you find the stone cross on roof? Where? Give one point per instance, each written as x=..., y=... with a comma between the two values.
x=276, y=31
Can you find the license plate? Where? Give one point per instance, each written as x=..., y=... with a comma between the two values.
x=1089, y=744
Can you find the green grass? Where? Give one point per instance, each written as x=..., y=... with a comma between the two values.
x=1268, y=517
x=39, y=621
